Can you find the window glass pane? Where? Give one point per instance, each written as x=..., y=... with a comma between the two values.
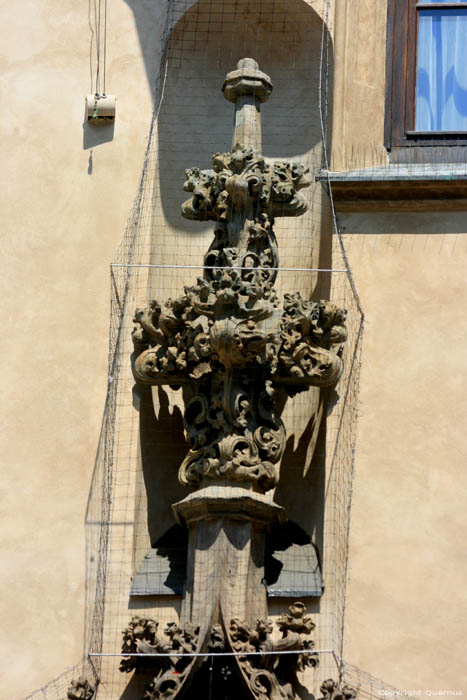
x=441, y=90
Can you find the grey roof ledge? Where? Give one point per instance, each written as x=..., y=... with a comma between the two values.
x=395, y=187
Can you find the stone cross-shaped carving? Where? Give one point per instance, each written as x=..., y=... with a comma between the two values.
x=238, y=353
x=226, y=339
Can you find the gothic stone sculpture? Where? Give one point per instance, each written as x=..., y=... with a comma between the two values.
x=227, y=340
x=80, y=689
x=238, y=353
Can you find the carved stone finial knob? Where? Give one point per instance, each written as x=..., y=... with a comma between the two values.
x=247, y=63
x=247, y=79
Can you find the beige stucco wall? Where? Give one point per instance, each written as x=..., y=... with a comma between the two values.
x=61, y=224
x=406, y=611
x=66, y=213
x=406, y=608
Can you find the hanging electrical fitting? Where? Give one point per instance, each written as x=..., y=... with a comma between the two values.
x=100, y=107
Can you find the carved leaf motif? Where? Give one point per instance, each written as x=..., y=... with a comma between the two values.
x=309, y=329
x=227, y=339
x=274, y=676
x=80, y=689
x=141, y=637
x=269, y=677
x=225, y=336
x=331, y=690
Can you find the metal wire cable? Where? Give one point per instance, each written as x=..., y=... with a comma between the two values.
x=101, y=45
x=105, y=41
x=97, y=20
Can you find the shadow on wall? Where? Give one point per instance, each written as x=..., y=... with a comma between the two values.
x=149, y=17
x=412, y=223
x=195, y=120
x=163, y=448
x=95, y=134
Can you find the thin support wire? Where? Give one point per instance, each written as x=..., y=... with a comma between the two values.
x=323, y=52
x=232, y=267
x=105, y=40
x=204, y=654
x=97, y=19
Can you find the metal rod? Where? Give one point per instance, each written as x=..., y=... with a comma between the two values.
x=233, y=267
x=217, y=653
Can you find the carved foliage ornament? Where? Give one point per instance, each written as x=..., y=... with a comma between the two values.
x=142, y=636
x=274, y=676
x=269, y=676
x=238, y=352
x=227, y=338
x=330, y=690
x=81, y=689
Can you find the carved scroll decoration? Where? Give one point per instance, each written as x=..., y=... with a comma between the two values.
x=331, y=690
x=238, y=352
x=227, y=336
x=142, y=636
x=274, y=677
x=268, y=677
x=81, y=689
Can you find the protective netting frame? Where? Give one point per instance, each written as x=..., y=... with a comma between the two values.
x=57, y=688
x=128, y=272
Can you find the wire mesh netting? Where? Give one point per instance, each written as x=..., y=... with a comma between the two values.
x=136, y=551
x=58, y=688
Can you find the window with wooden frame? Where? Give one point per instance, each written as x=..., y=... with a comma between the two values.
x=426, y=74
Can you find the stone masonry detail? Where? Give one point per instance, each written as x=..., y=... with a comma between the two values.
x=227, y=340
x=238, y=352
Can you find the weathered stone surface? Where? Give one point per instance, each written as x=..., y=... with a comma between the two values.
x=247, y=87
x=274, y=677
x=234, y=503
x=331, y=690
x=81, y=689
x=291, y=563
x=238, y=355
x=225, y=567
x=247, y=79
x=142, y=637
x=267, y=676
x=226, y=339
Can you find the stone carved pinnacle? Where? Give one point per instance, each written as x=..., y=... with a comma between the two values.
x=227, y=338
x=247, y=87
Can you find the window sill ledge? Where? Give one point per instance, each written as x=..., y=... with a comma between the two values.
x=422, y=187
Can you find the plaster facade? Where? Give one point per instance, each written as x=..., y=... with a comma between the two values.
x=405, y=606
x=70, y=189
